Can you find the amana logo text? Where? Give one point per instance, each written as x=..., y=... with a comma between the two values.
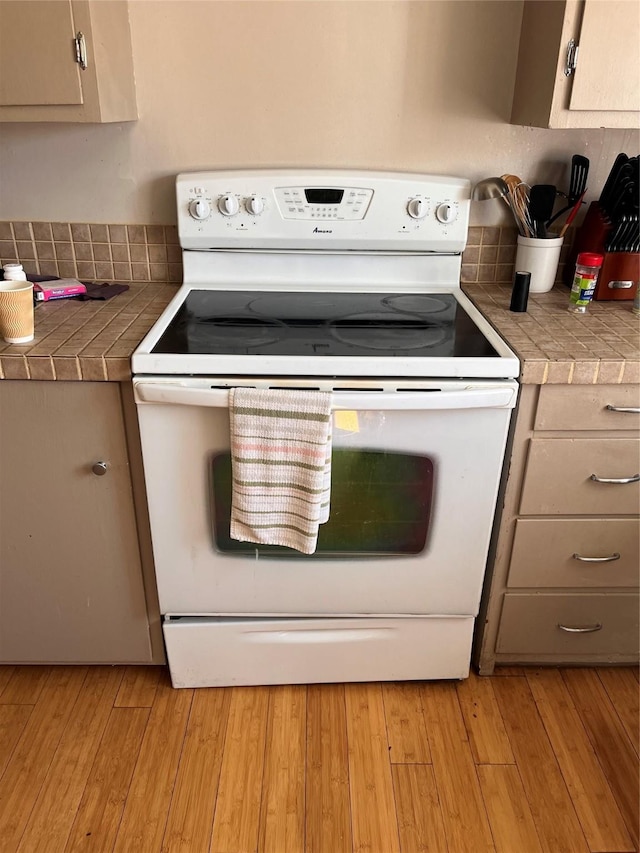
x=322, y=231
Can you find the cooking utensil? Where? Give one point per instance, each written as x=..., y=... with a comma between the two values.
x=578, y=179
x=577, y=185
x=573, y=214
x=541, y=200
x=518, y=200
x=489, y=188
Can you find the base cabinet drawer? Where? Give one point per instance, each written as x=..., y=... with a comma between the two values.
x=560, y=476
x=569, y=625
x=576, y=552
x=572, y=407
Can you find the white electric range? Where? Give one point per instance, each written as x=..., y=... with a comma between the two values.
x=347, y=282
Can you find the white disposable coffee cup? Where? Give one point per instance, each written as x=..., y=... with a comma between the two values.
x=16, y=311
x=539, y=256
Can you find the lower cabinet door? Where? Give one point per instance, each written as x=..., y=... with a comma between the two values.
x=570, y=626
x=71, y=587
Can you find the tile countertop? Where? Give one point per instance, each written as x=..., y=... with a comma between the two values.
x=554, y=346
x=94, y=340
x=90, y=340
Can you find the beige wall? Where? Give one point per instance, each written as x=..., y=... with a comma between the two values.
x=422, y=86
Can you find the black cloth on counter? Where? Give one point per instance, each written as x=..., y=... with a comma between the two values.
x=101, y=291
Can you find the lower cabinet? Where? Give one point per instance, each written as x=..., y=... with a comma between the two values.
x=72, y=587
x=563, y=574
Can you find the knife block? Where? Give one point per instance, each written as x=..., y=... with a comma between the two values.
x=618, y=268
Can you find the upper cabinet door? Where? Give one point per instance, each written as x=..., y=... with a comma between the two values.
x=607, y=75
x=40, y=77
x=37, y=58
x=602, y=89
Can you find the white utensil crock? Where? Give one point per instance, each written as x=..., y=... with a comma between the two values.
x=539, y=256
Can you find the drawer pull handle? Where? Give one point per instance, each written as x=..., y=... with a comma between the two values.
x=596, y=559
x=634, y=410
x=576, y=629
x=617, y=481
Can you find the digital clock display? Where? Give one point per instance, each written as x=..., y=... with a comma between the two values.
x=323, y=195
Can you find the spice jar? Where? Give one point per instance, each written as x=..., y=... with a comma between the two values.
x=14, y=272
x=584, y=281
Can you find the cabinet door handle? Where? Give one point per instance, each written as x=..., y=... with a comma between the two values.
x=633, y=410
x=581, y=629
x=99, y=468
x=596, y=559
x=618, y=481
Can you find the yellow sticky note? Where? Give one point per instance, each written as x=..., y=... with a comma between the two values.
x=346, y=420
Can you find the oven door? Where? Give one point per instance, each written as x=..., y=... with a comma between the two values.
x=415, y=474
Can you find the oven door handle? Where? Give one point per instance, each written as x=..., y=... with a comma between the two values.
x=471, y=398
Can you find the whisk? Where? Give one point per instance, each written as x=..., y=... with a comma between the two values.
x=518, y=200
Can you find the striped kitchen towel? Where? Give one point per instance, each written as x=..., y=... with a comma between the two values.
x=281, y=466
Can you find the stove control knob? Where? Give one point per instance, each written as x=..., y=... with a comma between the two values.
x=228, y=205
x=417, y=208
x=255, y=205
x=200, y=208
x=446, y=213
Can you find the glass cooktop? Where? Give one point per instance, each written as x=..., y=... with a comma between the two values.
x=323, y=324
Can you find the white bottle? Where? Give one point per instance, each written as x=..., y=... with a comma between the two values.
x=14, y=272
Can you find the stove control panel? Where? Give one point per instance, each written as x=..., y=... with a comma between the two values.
x=322, y=210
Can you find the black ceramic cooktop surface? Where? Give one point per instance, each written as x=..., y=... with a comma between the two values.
x=323, y=324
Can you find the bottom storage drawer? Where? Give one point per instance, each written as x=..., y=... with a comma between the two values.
x=220, y=651
x=569, y=625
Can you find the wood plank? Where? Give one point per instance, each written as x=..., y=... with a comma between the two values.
x=419, y=815
x=235, y=825
x=509, y=813
x=5, y=675
x=622, y=688
x=25, y=685
x=139, y=685
x=149, y=797
x=485, y=727
x=610, y=742
x=594, y=803
x=283, y=788
x=32, y=757
x=328, y=808
x=553, y=812
x=13, y=719
x=406, y=730
x=505, y=671
x=55, y=809
x=373, y=813
x=194, y=797
x=463, y=812
x=100, y=810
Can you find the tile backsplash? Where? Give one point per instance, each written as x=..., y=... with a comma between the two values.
x=93, y=252
x=152, y=252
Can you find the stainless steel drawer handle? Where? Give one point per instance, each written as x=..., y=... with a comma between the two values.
x=596, y=559
x=632, y=410
x=581, y=629
x=619, y=481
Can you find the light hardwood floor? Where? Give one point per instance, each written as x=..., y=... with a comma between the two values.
x=114, y=759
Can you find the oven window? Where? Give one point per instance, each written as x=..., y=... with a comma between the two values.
x=380, y=506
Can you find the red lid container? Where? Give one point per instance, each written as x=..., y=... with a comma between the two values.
x=589, y=259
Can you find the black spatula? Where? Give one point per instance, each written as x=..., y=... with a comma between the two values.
x=541, y=201
x=577, y=184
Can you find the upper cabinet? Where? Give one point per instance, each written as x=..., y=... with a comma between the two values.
x=578, y=64
x=66, y=60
